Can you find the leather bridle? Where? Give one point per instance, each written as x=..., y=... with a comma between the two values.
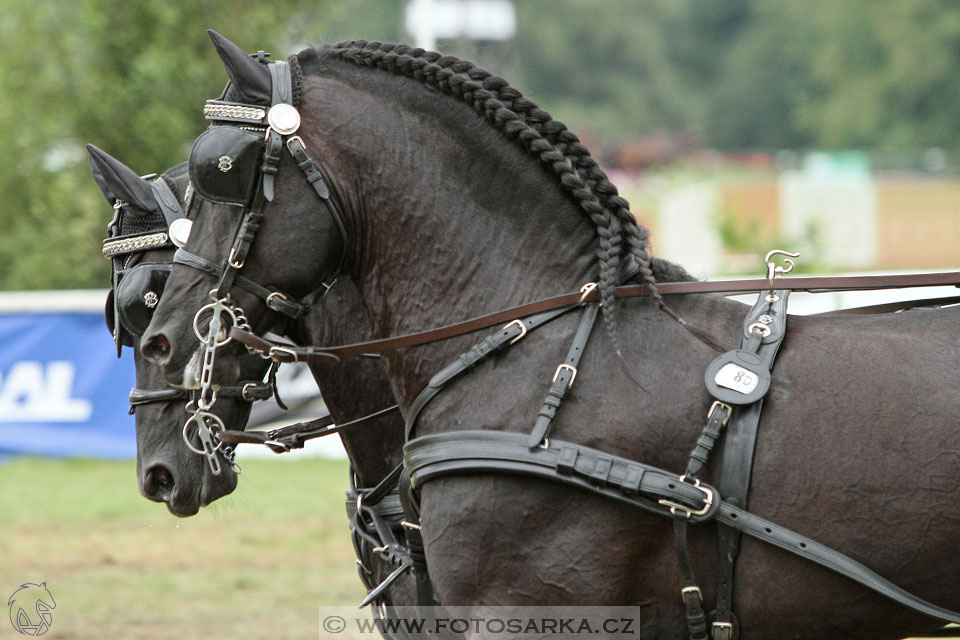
x=232, y=124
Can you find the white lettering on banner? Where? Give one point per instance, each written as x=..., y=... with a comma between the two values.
x=32, y=392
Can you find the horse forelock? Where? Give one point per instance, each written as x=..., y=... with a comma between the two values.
x=522, y=122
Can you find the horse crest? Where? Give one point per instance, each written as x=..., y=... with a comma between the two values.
x=224, y=163
x=30, y=609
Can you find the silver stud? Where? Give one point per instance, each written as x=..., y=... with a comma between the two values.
x=283, y=118
x=224, y=163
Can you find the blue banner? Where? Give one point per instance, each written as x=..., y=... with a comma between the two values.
x=63, y=392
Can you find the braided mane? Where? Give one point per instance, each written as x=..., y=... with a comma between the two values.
x=522, y=121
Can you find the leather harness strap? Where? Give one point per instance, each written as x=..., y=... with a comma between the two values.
x=810, y=284
x=248, y=391
x=563, y=377
x=275, y=299
x=477, y=452
x=294, y=436
x=736, y=468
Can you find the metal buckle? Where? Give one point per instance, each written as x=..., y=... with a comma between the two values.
x=298, y=139
x=243, y=392
x=723, y=625
x=720, y=405
x=519, y=323
x=406, y=524
x=571, y=369
x=708, y=496
x=270, y=298
x=278, y=349
x=696, y=590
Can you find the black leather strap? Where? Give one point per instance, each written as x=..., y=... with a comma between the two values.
x=140, y=397
x=282, y=87
x=384, y=516
x=166, y=200
x=278, y=301
x=506, y=336
x=736, y=467
x=294, y=436
x=472, y=452
x=563, y=378
x=271, y=163
x=316, y=179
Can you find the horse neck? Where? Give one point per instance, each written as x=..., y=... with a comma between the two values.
x=355, y=387
x=451, y=218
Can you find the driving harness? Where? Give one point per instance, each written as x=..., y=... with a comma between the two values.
x=737, y=380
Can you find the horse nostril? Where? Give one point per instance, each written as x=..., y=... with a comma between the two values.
x=162, y=476
x=156, y=349
x=158, y=483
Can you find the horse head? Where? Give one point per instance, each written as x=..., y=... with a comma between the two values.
x=140, y=249
x=248, y=186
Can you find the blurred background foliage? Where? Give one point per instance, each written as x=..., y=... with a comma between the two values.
x=736, y=75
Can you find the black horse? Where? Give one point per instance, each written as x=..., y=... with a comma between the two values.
x=459, y=196
x=169, y=471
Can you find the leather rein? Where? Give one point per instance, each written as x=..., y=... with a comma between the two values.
x=823, y=284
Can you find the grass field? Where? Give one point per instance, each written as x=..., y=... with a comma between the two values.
x=256, y=564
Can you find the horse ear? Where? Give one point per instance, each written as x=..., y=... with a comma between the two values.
x=248, y=76
x=117, y=181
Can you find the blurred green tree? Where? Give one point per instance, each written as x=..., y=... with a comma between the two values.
x=131, y=78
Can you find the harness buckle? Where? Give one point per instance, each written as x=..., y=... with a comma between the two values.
x=243, y=392
x=519, y=323
x=570, y=368
x=720, y=405
x=413, y=526
x=725, y=627
x=696, y=590
x=277, y=349
x=275, y=295
x=298, y=139
x=675, y=507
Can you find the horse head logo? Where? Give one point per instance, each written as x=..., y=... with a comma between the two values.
x=30, y=607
